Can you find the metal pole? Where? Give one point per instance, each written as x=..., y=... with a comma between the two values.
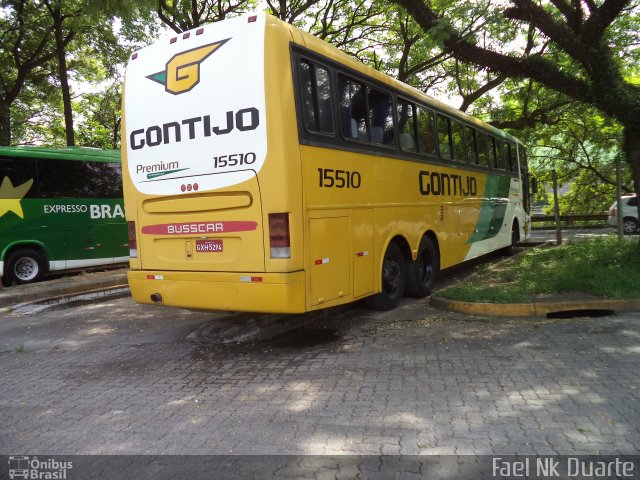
x=619, y=199
x=556, y=208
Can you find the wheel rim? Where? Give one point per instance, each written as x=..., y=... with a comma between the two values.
x=391, y=276
x=26, y=269
x=629, y=226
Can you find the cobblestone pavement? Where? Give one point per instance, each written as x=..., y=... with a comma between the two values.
x=123, y=378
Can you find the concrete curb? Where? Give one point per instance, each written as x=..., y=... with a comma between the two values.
x=72, y=299
x=533, y=309
x=38, y=291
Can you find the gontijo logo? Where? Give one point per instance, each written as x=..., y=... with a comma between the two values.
x=182, y=71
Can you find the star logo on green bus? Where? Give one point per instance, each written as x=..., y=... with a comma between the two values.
x=182, y=71
x=11, y=196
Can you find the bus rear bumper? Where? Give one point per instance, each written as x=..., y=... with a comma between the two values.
x=245, y=292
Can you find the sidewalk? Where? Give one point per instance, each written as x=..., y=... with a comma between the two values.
x=66, y=285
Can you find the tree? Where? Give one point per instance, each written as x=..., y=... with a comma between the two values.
x=25, y=36
x=100, y=126
x=582, y=146
x=46, y=44
x=182, y=15
x=62, y=37
x=584, y=49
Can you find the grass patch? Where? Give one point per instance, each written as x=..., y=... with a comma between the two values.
x=603, y=267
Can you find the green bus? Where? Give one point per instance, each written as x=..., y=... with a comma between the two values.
x=60, y=209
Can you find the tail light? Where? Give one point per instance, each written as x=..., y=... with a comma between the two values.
x=133, y=241
x=279, y=237
x=613, y=211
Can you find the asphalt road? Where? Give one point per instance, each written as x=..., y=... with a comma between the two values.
x=121, y=378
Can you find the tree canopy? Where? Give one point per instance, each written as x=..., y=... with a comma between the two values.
x=561, y=74
x=585, y=50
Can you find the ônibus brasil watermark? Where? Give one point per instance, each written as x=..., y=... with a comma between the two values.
x=33, y=468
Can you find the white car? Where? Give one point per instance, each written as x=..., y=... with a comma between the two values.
x=630, y=222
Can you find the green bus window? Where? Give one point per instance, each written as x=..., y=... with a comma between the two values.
x=470, y=145
x=406, y=126
x=317, y=110
x=380, y=118
x=75, y=178
x=353, y=115
x=457, y=140
x=444, y=140
x=481, y=144
x=426, y=132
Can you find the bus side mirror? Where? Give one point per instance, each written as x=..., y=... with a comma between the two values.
x=534, y=185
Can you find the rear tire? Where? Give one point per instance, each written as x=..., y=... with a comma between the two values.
x=630, y=225
x=24, y=265
x=421, y=274
x=515, y=238
x=393, y=280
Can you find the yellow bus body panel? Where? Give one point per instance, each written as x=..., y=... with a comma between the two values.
x=274, y=292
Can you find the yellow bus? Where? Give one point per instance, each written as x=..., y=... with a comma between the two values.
x=264, y=170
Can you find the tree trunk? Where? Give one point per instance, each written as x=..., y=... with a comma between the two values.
x=5, y=124
x=64, y=77
x=632, y=152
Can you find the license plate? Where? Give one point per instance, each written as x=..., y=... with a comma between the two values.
x=209, y=246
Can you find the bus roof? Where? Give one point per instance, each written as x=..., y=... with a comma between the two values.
x=318, y=45
x=88, y=154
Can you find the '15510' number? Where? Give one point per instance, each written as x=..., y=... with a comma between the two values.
x=328, y=178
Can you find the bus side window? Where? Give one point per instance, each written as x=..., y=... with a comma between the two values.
x=457, y=137
x=493, y=158
x=19, y=170
x=470, y=145
x=105, y=179
x=499, y=160
x=353, y=114
x=61, y=179
x=481, y=144
x=505, y=156
x=513, y=163
x=316, y=98
x=444, y=140
x=407, y=126
x=7, y=165
x=427, y=131
x=380, y=118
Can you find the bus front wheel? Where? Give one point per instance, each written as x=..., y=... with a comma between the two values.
x=393, y=280
x=24, y=265
x=421, y=274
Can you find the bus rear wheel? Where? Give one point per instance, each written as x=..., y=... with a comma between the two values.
x=393, y=280
x=421, y=274
x=24, y=265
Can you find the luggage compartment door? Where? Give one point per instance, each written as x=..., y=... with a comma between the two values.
x=329, y=259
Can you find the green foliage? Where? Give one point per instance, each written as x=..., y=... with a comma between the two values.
x=582, y=146
x=606, y=267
